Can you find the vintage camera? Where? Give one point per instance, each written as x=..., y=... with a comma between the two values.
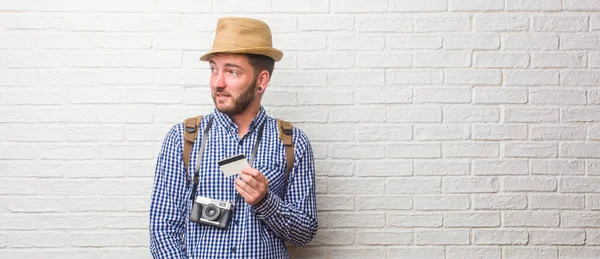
x=211, y=212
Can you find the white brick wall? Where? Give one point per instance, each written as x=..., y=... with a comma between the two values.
x=441, y=128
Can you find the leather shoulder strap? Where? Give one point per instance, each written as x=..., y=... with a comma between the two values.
x=286, y=135
x=191, y=126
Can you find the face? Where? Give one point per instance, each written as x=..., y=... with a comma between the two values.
x=232, y=83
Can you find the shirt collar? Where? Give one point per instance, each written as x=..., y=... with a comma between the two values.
x=225, y=121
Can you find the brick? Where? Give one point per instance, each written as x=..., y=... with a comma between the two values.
x=430, y=252
x=333, y=237
x=385, y=60
x=578, y=252
x=18, y=77
x=441, y=167
x=414, y=220
x=500, y=23
x=15, y=151
x=313, y=6
x=154, y=96
x=79, y=59
x=353, y=219
x=301, y=41
x=556, y=201
x=560, y=23
x=316, y=97
x=344, y=185
x=471, y=114
x=356, y=78
x=68, y=221
x=580, y=219
x=594, y=22
x=125, y=114
x=178, y=41
x=413, y=114
x=593, y=97
x=138, y=239
x=530, y=41
x=413, y=150
x=321, y=185
x=446, y=23
x=485, y=59
x=329, y=22
x=442, y=59
x=579, y=77
x=383, y=133
x=335, y=202
x=95, y=95
x=499, y=132
x=579, y=41
x=400, y=41
x=418, y=6
x=592, y=167
x=126, y=253
x=95, y=169
x=154, y=132
x=413, y=185
x=472, y=219
x=152, y=59
x=489, y=95
x=499, y=202
x=120, y=41
x=31, y=59
x=70, y=114
x=442, y=95
x=414, y=77
x=529, y=252
x=64, y=40
x=500, y=167
x=23, y=133
x=470, y=149
x=389, y=168
x=556, y=96
x=442, y=237
x=592, y=236
x=299, y=78
x=581, y=5
x=114, y=22
x=579, y=184
x=557, y=167
x=557, y=133
x=19, y=221
x=105, y=6
x=46, y=169
x=127, y=221
x=473, y=252
x=469, y=6
x=18, y=114
x=17, y=40
x=537, y=5
x=37, y=239
x=579, y=150
x=356, y=253
x=530, y=149
x=470, y=184
x=473, y=77
x=130, y=77
x=356, y=41
x=580, y=114
x=233, y=6
x=384, y=202
x=441, y=132
x=88, y=133
x=557, y=237
x=383, y=95
x=29, y=5
x=335, y=168
x=500, y=237
x=127, y=186
x=394, y=237
x=96, y=203
x=67, y=187
x=531, y=115
x=138, y=204
x=187, y=6
x=273, y=98
x=97, y=239
x=385, y=23
x=37, y=204
x=326, y=60
x=531, y=77
x=441, y=202
x=528, y=184
x=358, y=6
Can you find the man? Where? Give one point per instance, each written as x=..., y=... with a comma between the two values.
x=270, y=206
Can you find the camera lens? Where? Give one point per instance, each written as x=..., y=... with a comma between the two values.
x=210, y=212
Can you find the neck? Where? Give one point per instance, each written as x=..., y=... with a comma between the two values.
x=244, y=119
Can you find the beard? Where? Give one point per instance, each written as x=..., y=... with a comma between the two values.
x=240, y=103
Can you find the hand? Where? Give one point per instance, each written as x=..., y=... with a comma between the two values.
x=252, y=185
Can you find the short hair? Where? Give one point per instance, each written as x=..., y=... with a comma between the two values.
x=260, y=63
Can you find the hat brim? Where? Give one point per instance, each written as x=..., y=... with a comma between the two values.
x=275, y=54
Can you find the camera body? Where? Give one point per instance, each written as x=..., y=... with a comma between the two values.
x=211, y=212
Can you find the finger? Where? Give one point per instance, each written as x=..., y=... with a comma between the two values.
x=252, y=172
x=249, y=180
x=247, y=188
x=242, y=192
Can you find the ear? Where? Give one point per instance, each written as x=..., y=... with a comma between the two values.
x=263, y=81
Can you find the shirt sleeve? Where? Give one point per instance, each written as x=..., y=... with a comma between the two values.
x=294, y=218
x=167, y=210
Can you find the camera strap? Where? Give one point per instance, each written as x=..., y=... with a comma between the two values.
x=252, y=157
x=199, y=160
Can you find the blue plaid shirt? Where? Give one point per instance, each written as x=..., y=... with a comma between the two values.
x=254, y=232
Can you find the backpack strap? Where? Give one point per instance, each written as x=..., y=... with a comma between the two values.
x=190, y=125
x=285, y=134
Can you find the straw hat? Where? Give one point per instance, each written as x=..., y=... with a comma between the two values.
x=243, y=35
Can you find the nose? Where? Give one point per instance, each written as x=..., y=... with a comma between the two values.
x=219, y=80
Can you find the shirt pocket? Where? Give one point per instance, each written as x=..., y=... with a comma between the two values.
x=275, y=173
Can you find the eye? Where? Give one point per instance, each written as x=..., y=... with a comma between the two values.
x=213, y=70
x=233, y=72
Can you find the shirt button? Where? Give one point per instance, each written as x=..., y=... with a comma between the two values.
x=233, y=249
x=237, y=222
